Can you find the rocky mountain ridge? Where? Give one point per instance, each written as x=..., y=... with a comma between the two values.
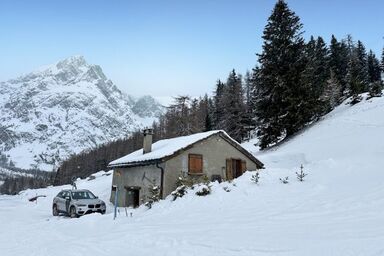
x=65, y=108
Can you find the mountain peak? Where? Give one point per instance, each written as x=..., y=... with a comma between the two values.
x=74, y=61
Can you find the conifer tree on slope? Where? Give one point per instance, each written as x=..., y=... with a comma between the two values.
x=357, y=76
x=382, y=61
x=282, y=99
x=374, y=75
x=374, y=71
x=316, y=74
x=338, y=63
x=249, y=115
x=218, y=112
x=233, y=104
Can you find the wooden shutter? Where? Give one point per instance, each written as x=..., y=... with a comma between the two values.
x=229, y=169
x=243, y=166
x=195, y=163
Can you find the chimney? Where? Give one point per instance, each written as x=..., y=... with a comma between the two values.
x=147, y=142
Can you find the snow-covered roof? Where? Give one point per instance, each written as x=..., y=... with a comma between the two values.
x=166, y=148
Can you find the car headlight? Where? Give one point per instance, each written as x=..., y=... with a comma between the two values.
x=81, y=205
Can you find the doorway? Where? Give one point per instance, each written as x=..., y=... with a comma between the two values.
x=235, y=168
x=132, y=197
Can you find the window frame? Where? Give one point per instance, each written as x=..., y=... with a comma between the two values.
x=198, y=156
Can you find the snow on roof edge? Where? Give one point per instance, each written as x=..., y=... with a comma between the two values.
x=168, y=147
x=163, y=148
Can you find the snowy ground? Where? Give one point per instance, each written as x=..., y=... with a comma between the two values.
x=338, y=210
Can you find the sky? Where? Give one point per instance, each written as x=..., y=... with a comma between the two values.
x=166, y=47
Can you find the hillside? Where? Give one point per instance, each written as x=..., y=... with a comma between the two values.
x=337, y=210
x=64, y=108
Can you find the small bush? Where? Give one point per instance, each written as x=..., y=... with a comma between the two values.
x=179, y=192
x=355, y=99
x=227, y=189
x=301, y=174
x=255, y=177
x=203, y=190
x=284, y=180
x=375, y=89
x=154, y=196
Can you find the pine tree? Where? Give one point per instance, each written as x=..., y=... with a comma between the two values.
x=357, y=76
x=249, y=115
x=315, y=75
x=332, y=93
x=338, y=63
x=233, y=102
x=218, y=112
x=382, y=61
x=374, y=75
x=374, y=71
x=282, y=98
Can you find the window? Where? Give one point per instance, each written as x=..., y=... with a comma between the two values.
x=195, y=164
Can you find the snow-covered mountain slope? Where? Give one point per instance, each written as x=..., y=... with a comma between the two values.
x=337, y=210
x=64, y=108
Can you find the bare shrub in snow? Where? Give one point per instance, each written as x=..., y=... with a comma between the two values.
x=154, y=195
x=203, y=190
x=284, y=180
x=301, y=174
x=179, y=192
x=185, y=181
x=227, y=189
x=355, y=99
x=255, y=177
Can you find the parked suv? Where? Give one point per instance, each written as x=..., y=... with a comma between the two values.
x=76, y=203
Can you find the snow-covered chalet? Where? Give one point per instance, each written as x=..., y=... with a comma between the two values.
x=214, y=154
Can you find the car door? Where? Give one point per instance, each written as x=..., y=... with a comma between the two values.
x=59, y=201
x=63, y=202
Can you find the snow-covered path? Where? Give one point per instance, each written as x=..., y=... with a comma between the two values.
x=337, y=210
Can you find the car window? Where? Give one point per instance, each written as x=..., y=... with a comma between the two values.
x=60, y=194
x=83, y=195
x=65, y=194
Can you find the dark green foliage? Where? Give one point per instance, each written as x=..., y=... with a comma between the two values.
x=230, y=107
x=316, y=75
x=375, y=89
x=338, y=63
x=374, y=76
x=374, y=72
x=234, y=114
x=218, y=102
x=382, y=61
x=282, y=98
x=357, y=76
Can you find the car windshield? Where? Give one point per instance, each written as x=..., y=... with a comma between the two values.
x=83, y=195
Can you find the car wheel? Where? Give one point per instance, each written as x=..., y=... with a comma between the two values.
x=55, y=211
x=72, y=212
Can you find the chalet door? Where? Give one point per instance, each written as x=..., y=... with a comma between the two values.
x=235, y=168
x=132, y=198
